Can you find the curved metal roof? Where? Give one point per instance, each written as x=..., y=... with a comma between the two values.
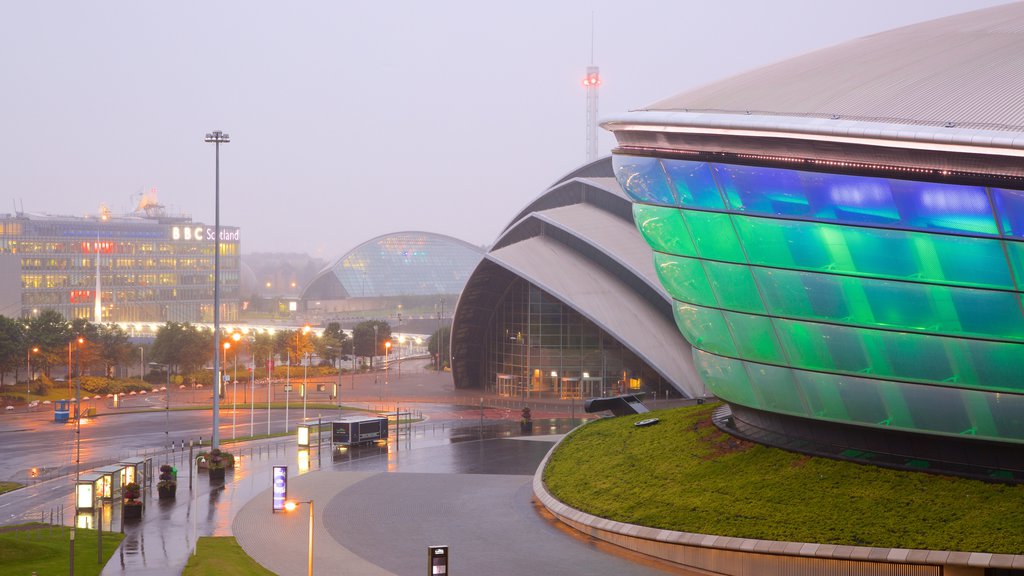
x=951, y=86
x=398, y=264
x=577, y=242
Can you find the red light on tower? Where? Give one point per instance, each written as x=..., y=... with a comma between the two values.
x=593, y=79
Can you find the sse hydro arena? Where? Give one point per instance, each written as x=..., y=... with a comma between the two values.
x=842, y=234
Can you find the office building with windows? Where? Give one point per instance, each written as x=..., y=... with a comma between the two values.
x=842, y=236
x=145, y=267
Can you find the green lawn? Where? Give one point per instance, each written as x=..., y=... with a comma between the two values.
x=222, y=556
x=44, y=549
x=8, y=486
x=683, y=474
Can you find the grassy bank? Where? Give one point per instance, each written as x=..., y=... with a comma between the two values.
x=683, y=474
x=44, y=549
x=222, y=556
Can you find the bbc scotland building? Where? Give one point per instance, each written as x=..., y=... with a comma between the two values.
x=842, y=234
x=151, y=267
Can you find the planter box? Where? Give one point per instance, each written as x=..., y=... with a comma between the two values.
x=133, y=511
x=166, y=493
x=217, y=473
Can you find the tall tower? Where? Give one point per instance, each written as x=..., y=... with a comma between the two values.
x=591, y=83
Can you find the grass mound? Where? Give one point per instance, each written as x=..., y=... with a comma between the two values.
x=684, y=474
x=43, y=549
x=222, y=556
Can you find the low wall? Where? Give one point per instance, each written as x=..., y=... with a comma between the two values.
x=744, y=556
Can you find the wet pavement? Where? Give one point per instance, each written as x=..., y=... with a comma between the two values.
x=460, y=478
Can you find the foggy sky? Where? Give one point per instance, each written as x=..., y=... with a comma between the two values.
x=353, y=119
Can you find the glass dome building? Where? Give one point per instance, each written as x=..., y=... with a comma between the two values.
x=842, y=235
x=413, y=269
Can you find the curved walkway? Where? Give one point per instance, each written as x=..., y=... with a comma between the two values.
x=380, y=523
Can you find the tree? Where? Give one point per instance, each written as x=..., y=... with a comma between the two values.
x=114, y=348
x=363, y=338
x=299, y=343
x=50, y=332
x=183, y=346
x=11, y=337
x=442, y=336
x=262, y=347
x=333, y=343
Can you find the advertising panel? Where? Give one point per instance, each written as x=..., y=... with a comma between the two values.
x=280, y=491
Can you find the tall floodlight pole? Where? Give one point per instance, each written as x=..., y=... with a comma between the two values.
x=591, y=83
x=216, y=138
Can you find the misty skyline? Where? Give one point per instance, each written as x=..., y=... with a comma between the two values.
x=352, y=121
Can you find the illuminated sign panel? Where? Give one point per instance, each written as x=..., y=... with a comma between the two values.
x=280, y=491
x=203, y=233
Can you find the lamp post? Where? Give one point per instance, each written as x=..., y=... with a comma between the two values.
x=28, y=367
x=216, y=390
x=252, y=387
x=167, y=407
x=290, y=506
x=387, y=355
x=216, y=138
x=235, y=336
x=142, y=363
x=400, y=339
x=78, y=441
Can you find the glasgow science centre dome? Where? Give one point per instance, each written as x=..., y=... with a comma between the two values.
x=842, y=235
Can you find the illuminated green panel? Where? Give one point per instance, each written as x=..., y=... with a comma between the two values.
x=704, y=328
x=803, y=295
x=898, y=305
x=827, y=399
x=896, y=405
x=871, y=252
x=755, y=338
x=777, y=389
x=938, y=360
x=714, y=236
x=664, y=229
x=734, y=285
x=684, y=279
x=725, y=378
x=1000, y=366
x=1015, y=253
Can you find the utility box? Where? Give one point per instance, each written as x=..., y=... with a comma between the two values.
x=356, y=430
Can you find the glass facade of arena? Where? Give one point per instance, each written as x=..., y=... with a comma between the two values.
x=149, y=270
x=407, y=264
x=868, y=300
x=537, y=347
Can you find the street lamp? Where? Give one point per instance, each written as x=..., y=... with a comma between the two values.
x=28, y=361
x=216, y=138
x=252, y=386
x=290, y=506
x=217, y=386
x=235, y=336
x=167, y=407
x=78, y=441
x=305, y=368
x=387, y=355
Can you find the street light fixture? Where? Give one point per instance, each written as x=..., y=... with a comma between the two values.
x=290, y=506
x=216, y=138
x=28, y=361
